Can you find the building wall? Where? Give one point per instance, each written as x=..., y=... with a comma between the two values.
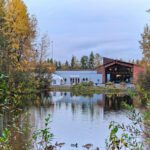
x=56, y=80
x=101, y=70
x=81, y=75
x=136, y=71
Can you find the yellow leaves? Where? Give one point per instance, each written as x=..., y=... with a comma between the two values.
x=17, y=17
x=19, y=31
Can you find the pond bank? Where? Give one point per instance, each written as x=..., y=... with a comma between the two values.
x=86, y=90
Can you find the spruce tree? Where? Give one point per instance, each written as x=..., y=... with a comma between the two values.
x=91, y=61
x=73, y=62
x=84, y=62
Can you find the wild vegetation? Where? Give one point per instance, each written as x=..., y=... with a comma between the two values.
x=24, y=71
x=21, y=58
x=87, y=88
x=131, y=134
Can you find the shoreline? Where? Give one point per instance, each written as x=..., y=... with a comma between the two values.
x=79, y=90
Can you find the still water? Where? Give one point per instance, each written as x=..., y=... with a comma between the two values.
x=79, y=119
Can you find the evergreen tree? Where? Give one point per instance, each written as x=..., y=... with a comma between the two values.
x=48, y=60
x=59, y=65
x=84, y=62
x=51, y=61
x=73, y=62
x=56, y=65
x=133, y=61
x=91, y=61
x=67, y=64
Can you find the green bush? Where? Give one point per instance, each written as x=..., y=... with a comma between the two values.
x=90, y=83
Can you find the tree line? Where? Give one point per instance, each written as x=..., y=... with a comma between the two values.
x=85, y=62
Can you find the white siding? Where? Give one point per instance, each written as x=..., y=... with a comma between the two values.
x=89, y=75
x=57, y=80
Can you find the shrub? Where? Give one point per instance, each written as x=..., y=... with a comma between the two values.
x=90, y=83
x=109, y=83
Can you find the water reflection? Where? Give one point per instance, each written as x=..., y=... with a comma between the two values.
x=16, y=120
x=81, y=119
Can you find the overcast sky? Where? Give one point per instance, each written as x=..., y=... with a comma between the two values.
x=111, y=28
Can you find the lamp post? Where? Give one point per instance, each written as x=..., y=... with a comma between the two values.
x=52, y=47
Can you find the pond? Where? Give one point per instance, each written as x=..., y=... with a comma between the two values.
x=75, y=119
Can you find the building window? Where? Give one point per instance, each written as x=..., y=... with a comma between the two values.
x=61, y=82
x=83, y=79
x=65, y=80
x=54, y=94
x=78, y=80
x=86, y=79
x=54, y=81
x=71, y=81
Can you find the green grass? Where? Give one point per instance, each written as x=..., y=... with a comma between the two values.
x=88, y=90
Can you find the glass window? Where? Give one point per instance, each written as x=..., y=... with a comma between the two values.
x=65, y=79
x=54, y=81
x=78, y=80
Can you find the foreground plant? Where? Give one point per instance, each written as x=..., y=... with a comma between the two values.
x=5, y=140
x=42, y=138
x=127, y=137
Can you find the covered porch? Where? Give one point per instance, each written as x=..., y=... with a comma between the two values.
x=118, y=73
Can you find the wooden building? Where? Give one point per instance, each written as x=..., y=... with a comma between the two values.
x=119, y=71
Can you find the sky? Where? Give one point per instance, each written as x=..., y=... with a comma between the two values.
x=111, y=28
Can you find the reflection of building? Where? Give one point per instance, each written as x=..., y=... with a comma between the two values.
x=86, y=105
x=118, y=71
x=69, y=97
x=71, y=77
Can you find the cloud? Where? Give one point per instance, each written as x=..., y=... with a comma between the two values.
x=78, y=27
x=98, y=43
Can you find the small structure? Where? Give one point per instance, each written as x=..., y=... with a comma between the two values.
x=119, y=71
x=71, y=77
x=57, y=80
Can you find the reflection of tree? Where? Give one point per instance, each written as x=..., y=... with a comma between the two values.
x=114, y=102
x=66, y=104
x=84, y=108
x=1, y=125
x=17, y=121
x=92, y=110
x=73, y=108
x=59, y=105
